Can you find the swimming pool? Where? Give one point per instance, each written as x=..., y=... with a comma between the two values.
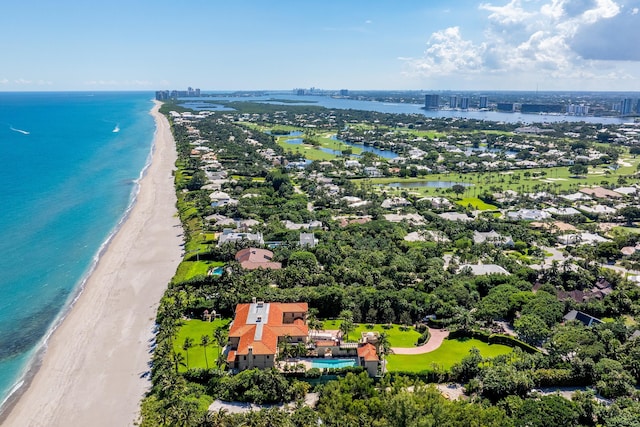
x=332, y=363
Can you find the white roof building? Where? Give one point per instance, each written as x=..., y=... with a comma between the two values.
x=484, y=269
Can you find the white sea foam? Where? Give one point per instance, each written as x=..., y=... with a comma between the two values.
x=116, y=129
x=24, y=132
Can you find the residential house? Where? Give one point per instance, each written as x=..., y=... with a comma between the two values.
x=259, y=327
x=484, y=269
x=308, y=240
x=581, y=317
x=455, y=216
x=493, y=238
x=395, y=202
x=289, y=225
x=229, y=236
x=254, y=258
x=436, y=202
x=601, y=193
x=368, y=358
x=529, y=215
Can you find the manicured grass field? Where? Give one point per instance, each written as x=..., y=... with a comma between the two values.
x=307, y=151
x=196, y=329
x=476, y=203
x=397, y=338
x=311, y=152
x=449, y=353
x=190, y=269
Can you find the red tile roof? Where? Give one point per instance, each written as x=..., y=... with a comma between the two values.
x=272, y=329
x=252, y=258
x=368, y=353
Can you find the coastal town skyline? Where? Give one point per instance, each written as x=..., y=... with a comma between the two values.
x=472, y=45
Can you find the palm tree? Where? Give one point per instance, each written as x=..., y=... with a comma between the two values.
x=383, y=345
x=221, y=361
x=345, y=327
x=205, y=340
x=188, y=343
x=220, y=336
x=178, y=359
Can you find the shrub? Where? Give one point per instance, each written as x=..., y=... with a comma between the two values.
x=313, y=373
x=424, y=337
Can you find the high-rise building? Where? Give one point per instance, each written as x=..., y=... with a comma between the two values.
x=578, y=110
x=505, y=106
x=453, y=101
x=464, y=103
x=344, y=92
x=638, y=107
x=432, y=102
x=625, y=106
x=484, y=101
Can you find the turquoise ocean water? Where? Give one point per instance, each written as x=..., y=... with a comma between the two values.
x=69, y=167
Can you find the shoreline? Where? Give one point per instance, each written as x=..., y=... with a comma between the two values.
x=92, y=368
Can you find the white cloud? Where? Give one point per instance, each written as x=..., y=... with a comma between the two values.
x=101, y=83
x=4, y=81
x=511, y=13
x=448, y=52
x=546, y=38
x=141, y=83
x=22, y=81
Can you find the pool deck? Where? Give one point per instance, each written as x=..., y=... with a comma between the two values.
x=308, y=362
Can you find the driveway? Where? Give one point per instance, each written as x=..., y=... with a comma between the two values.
x=435, y=340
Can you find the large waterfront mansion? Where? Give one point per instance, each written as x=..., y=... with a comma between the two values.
x=259, y=329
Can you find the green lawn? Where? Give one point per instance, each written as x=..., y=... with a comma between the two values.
x=476, y=204
x=311, y=152
x=449, y=353
x=397, y=338
x=554, y=180
x=196, y=329
x=190, y=269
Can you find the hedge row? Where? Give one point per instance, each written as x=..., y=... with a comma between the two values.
x=494, y=339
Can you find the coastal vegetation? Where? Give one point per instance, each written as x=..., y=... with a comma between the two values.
x=387, y=259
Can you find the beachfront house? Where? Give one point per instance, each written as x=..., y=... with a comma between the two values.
x=259, y=327
x=260, y=330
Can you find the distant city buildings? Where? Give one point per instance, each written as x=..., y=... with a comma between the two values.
x=541, y=108
x=484, y=102
x=464, y=103
x=163, y=95
x=625, y=107
x=453, y=101
x=577, y=110
x=505, y=106
x=432, y=101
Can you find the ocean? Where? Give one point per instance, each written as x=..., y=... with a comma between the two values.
x=69, y=168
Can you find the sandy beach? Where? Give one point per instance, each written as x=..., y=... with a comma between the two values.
x=93, y=372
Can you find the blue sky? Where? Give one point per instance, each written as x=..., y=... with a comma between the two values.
x=333, y=44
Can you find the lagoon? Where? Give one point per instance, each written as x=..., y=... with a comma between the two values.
x=382, y=153
x=397, y=108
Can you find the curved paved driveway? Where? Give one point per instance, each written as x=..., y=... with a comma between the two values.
x=435, y=340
